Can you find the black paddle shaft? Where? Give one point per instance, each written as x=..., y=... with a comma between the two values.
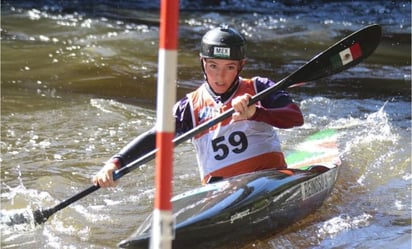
x=318, y=67
x=324, y=64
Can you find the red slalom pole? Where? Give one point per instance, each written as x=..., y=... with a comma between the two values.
x=162, y=227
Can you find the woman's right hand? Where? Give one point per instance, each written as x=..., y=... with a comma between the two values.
x=104, y=178
x=242, y=109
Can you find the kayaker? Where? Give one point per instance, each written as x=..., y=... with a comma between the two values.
x=245, y=143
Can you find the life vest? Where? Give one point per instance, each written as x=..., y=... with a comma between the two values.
x=232, y=148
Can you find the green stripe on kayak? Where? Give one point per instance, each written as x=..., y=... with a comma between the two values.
x=321, y=135
x=300, y=156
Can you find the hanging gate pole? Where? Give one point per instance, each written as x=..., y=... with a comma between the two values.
x=162, y=229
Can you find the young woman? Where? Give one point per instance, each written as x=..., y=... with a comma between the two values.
x=245, y=143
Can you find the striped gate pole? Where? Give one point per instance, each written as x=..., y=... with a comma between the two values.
x=162, y=227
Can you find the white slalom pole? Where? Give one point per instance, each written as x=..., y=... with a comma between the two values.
x=162, y=227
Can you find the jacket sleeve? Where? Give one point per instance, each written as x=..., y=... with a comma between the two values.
x=282, y=117
x=146, y=142
x=277, y=109
x=138, y=147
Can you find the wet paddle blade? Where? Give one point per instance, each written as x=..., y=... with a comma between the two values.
x=26, y=217
x=16, y=218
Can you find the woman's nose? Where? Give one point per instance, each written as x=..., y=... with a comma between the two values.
x=220, y=74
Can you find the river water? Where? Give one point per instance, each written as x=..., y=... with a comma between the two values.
x=78, y=81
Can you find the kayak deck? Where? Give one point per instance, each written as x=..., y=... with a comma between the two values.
x=243, y=208
x=240, y=209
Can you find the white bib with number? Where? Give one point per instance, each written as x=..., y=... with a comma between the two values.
x=232, y=144
x=235, y=143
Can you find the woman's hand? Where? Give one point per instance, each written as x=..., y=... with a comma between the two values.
x=104, y=178
x=242, y=110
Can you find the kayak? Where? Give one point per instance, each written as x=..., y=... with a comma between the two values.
x=243, y=208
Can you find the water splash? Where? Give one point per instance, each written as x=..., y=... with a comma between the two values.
x=341, y=223
x=375, y=149
x=17, y=205
x=14, y=218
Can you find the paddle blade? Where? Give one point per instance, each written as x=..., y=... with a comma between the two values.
x=16, y=218
x=342, y=55
x=26, y=217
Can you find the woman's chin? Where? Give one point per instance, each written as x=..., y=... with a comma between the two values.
x=219, y=89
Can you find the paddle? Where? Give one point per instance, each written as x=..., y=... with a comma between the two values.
x=341, y=56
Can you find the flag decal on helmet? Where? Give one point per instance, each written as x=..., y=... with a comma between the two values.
x=221, y=52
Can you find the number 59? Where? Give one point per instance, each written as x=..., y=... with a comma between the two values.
x=237, y=141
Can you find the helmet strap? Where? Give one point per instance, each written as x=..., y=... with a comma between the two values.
x=203, y=67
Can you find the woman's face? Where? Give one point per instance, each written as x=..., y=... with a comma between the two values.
x=221, y=73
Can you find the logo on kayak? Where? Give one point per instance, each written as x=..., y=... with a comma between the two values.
x=239, y=215
x=317, y=185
